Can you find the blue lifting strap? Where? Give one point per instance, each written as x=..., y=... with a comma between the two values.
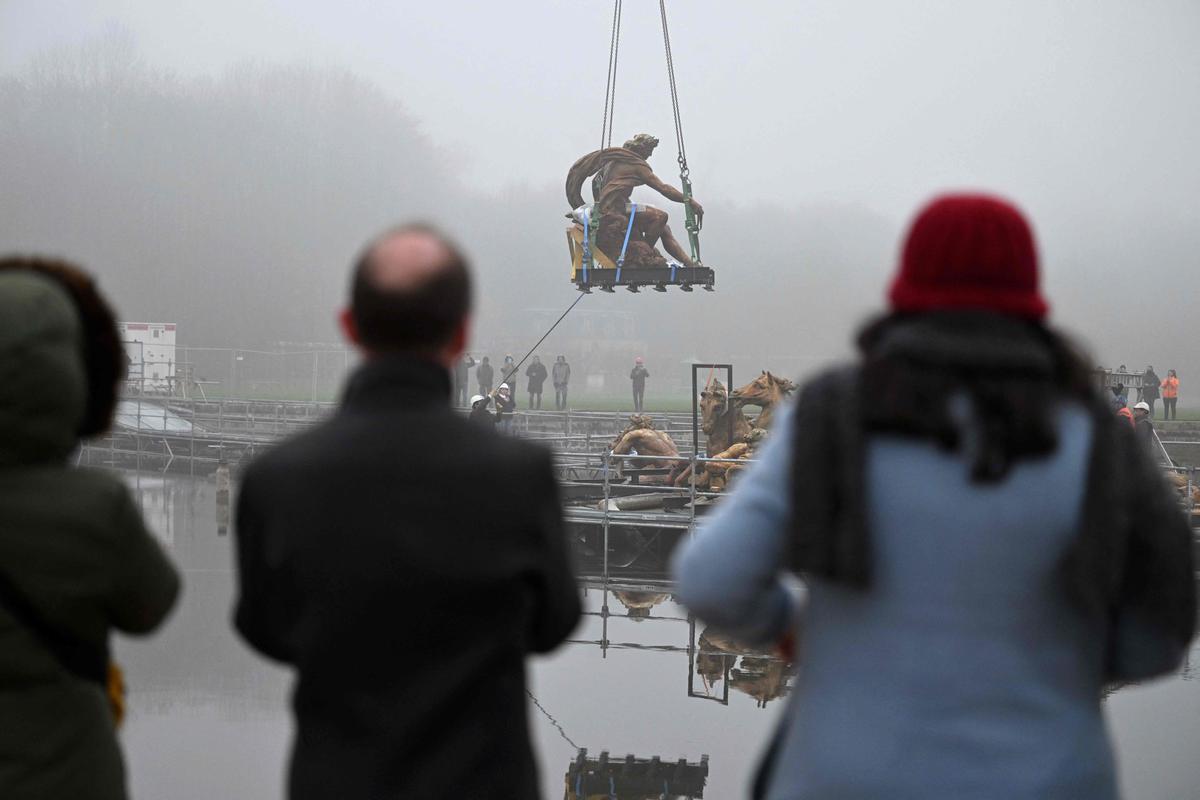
x=674, y=266
x=625, y=244
x=612, y=789
x=587, y=249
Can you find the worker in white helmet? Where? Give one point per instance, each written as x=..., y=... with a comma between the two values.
x=505, y=406
x=1142, y=424
x=480, y=413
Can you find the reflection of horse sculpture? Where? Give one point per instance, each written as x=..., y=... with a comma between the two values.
x=758, y=673
x=766, y=391
x=641, y=437
x=712, y=662
x=763, y=678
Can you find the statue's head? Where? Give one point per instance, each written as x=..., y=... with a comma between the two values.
x=714, y=401
x=643, y=144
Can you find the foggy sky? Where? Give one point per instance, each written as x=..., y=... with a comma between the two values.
x=813, y=131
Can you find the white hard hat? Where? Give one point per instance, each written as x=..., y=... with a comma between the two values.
x=504, y=386
x=1144, y=406
x=476, y=399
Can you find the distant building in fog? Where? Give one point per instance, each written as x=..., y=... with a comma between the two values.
x=150, y=348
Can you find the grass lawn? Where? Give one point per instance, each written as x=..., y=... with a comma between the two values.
x=653, y=403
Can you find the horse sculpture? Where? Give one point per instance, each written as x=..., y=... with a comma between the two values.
x=726, y=427
x=721, y=419
x=766, y=391
x=731, y=436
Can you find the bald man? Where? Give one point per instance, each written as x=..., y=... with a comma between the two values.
x=362, y=562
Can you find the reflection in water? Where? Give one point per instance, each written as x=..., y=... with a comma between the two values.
x=756, y=672
x=636, y=574
x=634, y=778
x=221, y=480
x=763, y=678
x=639, y=603
x=197, y=659
x=209, y=719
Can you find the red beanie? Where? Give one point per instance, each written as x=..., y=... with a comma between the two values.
x=969, y=251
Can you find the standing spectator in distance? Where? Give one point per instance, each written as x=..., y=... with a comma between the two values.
x=462, y=378
x=1170, y=394
x=952, y=501
x=480, y=414
x=508, y=373
x=638, y=376
x=1144, y=426
x=484, y=376
x=336, y=530
x=1150, y=392
x=505, y=406
x=536, y=372
x=560, y=375
x=76, y=560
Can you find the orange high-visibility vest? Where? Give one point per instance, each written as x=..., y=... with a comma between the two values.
x=1170, y=387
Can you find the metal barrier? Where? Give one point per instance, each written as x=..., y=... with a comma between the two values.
x=289, y=373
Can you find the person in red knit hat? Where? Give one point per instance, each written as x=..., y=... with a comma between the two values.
x=969, y=251
x=984, y=544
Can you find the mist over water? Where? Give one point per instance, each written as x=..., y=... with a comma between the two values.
x=208, y=718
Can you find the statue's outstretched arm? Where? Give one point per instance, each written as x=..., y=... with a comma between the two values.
x=665, y=189
x=671, y=193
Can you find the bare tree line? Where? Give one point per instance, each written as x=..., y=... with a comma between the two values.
x=233, y=204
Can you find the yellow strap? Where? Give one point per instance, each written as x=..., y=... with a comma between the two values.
x=115, y=689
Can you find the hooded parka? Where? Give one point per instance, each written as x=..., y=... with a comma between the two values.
x=73, y=545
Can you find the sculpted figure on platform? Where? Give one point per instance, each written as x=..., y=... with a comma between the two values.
x=618, y=171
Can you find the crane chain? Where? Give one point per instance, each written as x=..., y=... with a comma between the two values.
x=683, y=166
x=610, y=85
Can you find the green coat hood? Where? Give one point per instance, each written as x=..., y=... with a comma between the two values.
x=43, y=385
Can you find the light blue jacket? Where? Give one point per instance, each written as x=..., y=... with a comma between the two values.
x=962, y=672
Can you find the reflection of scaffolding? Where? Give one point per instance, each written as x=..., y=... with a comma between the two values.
x=715, y=663
x=634, y=778
x=623, y=534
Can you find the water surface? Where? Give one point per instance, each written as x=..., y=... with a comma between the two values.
x=209, y=719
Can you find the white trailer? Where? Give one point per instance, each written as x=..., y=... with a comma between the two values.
x=150, y=348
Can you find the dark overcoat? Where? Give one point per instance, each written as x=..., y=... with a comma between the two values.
x=381, y=555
